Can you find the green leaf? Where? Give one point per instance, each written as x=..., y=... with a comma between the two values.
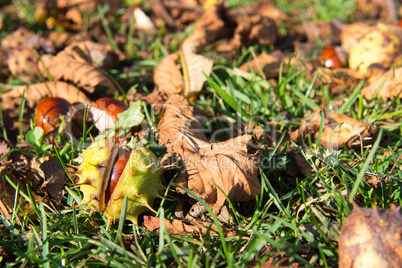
x=131, y=117
x=34, y=136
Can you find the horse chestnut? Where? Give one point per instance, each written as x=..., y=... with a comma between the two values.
x=331, y=58
x=48, y=112
x=118, y=168
x=105, y=111
x=107, y=175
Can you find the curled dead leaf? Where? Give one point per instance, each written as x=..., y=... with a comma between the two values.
x=371, y=238
x=167, y=76
x=96, y=54
x=35, y=92
x=194, y=66
x=211, y=170
x=338, y=129
x=67, y=68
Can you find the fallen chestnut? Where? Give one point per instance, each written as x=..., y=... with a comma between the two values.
x=105, y=111
x=48, y=112
x=331, y=58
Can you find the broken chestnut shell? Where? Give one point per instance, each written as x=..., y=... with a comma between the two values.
x=48, y=112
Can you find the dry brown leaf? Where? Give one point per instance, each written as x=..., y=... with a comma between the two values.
x=194, y=65
x=34, y=93
x=96, y=54
x=371, y=238
x=167, y=76
x=230, y=165
x=53, y=175
x=390, y=83
x=338, y=129
x=23, y=62
x=66, y=68
x=178, y=227
x=195, y=68
x=23, y=37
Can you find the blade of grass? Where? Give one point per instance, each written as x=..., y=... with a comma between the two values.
x=352, y=98
x=121, y=220
x=317, y=142
x=45, y=242
x=102, y=12
x=365, y=166
x=228, y=99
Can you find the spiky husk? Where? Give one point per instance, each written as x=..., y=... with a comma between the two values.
x=96, y=166
x=140, y=181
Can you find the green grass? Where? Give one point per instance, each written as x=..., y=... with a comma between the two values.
x=293, y=218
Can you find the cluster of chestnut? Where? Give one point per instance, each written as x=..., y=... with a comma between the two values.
x=49, y=109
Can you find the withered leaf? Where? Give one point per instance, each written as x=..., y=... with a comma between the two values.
x=96, y=54
x=230, y=165
x=390, y=83
x=23, y=37
x=53, y=175
x=371, y=238
x=338, y=129
x=68, y=68
x=23, y=62
x=35, y=92
x=194, y=65
x=178, y=227
x=167, y=76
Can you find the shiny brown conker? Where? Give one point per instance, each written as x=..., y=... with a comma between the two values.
x=118, y=168
x=48, y=112
x=112, y=106
x=331, y=58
